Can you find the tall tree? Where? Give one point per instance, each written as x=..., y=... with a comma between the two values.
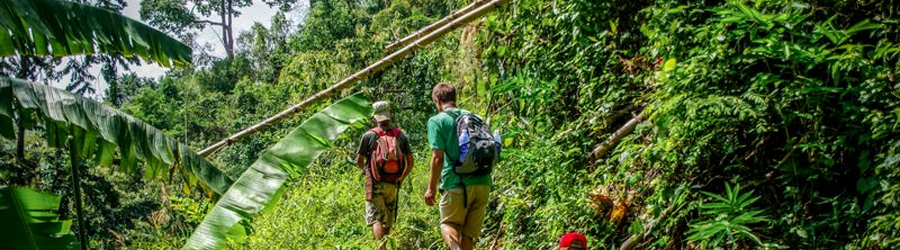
x=123, y=88
x=186, y=17
x=267, y=49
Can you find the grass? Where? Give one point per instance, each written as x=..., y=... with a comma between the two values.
x=326, y=210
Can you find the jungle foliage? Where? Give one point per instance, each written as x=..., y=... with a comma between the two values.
x=796, y=102
x=769, y=124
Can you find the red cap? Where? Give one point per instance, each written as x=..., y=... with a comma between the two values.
x=573, y=240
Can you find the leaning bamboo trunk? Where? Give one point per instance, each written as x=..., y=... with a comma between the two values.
x=431, y=27
x=362, y=74
x=614, y=139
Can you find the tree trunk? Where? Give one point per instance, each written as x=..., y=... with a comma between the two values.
x=230, y=29
x=223, y=12
x=20, y=140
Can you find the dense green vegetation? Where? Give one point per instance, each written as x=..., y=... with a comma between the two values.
x=766, y=124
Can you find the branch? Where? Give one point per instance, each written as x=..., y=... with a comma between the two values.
x=209, y=22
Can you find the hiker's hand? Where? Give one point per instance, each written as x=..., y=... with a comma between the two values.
x=429, y=197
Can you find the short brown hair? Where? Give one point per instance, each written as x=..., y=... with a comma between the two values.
x=444, y=92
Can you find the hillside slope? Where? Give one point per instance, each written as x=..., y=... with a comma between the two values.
x=787, y=111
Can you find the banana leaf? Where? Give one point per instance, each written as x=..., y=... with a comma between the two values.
x=63, y=28
x=100, y=130
x=261, y=184
x=31, y=222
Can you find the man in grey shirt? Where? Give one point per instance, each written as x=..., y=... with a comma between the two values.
x=387, y=142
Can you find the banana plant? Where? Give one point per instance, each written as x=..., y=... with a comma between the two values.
x=30, y=221
x=63, y=28
x=92, y=129
x=262, y=183
x=103, y=132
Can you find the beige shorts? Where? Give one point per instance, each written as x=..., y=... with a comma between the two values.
x=469, y=219
x=383, y=205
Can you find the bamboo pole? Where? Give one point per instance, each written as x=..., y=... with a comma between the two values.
x=431, y=27
x=362, y=74
x=614, y=139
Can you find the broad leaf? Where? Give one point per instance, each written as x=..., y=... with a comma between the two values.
x=261, y=184
x=30, y=221
x=99, y=129
x=63, y=28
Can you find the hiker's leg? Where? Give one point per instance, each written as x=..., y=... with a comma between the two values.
x=390, y=192
x=376, y=211
x=453, y=217
x=451, y=236
x=467, y=243
x=478, y=201
x=378, y=230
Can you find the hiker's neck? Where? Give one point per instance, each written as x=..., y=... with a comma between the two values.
x=385, y=124
x=447, y=106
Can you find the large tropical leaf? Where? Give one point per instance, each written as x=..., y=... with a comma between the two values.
x=261, y=184
x=99, y=130
x=63, y=28
x=30, y=221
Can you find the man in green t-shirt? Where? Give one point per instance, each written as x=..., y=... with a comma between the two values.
x=462, y=211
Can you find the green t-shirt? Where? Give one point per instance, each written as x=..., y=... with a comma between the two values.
x=442, y=135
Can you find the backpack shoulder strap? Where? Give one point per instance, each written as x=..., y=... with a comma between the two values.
x=378, y=131
x=451, y=114
x=395, y=132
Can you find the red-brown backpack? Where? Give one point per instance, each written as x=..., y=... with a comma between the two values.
x=387, y=159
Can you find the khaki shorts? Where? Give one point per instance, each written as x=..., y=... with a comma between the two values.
x=469, y=219
x=383, y=205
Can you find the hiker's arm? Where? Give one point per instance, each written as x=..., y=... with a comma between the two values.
x=436, y=141
x=365, y=145
x=404, y=147
x=360, y=161
x=437, y=162
x=410, y=164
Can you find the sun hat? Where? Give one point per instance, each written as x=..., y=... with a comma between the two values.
x=382, y=111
